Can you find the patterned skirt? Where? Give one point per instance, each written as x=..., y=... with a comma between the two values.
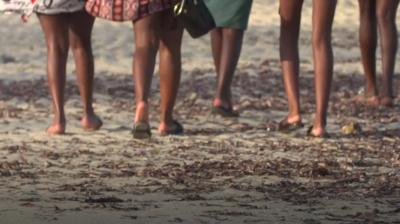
x=51, y=7
x=26, y=7
x=127, y=10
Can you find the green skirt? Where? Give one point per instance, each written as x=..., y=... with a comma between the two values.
x=230, y=13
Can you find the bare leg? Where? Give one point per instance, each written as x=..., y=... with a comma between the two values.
x=323, y=14
x=216, y=47
x=146, y=32
x=55, y=28
x=386, y=14
x=368, y=44
x=290, y=12
x=226, y=56
x=170, y=70
x=81, y=25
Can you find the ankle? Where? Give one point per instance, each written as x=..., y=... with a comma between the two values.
x=371, y=91
x=59, y=119
x=88, y=112
x=319, y=126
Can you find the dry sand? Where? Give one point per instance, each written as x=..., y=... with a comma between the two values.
x=220, y=171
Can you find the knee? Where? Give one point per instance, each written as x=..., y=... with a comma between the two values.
x=385, y=18
x=290, y=17
x=170, y=51
x=290, y=26
x=58, y=45
x=171, y=46
x=367, y=10
x=321, y=40
x=80, y=45
x=148, y=46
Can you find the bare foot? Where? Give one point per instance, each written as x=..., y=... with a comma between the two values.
x=372, y=101
x=56, y=129
x=91, y=122
x=387, y=101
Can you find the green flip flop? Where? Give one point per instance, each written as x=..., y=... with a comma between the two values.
x=286, y=127
x=141, y=130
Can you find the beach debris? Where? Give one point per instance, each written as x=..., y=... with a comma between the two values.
x=5, y=59
x=351, y=128
x=102, y=200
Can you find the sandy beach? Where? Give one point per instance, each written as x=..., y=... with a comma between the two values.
x=222, y=170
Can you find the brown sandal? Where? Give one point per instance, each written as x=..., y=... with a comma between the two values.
x=177, y=130
x=325, y=135
x=141, y=130
x=286, y=127
x=225, y=112
x=387, y=101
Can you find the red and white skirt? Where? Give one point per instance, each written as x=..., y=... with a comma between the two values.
x=126, y=10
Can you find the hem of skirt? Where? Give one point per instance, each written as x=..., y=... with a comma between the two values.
x=55, y=12
x=232, y=26
x=149, y=14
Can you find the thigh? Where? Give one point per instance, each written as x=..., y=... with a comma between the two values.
x=147, y=30
x=171, y=31
x=55, y=28
x=80, y=26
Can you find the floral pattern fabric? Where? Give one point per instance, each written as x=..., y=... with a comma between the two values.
x=26, y=7
x=126, y=10
x=59, y=6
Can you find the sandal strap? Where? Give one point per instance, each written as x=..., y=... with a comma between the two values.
x=141, y=130
x=177, y=130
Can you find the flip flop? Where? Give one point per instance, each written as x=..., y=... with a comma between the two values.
x=224, y=112
x=141, y=130
x=286, y=127
x=96, y=128
x=325, y=135
x=177, y=130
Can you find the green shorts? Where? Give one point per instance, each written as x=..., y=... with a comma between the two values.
x=230, y=13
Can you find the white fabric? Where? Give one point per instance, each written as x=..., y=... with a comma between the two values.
x=26, y=7
x=59, y=6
